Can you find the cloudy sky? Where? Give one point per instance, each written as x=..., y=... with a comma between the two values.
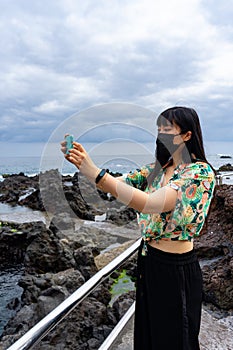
x=65, y=57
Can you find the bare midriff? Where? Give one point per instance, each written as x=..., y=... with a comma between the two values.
x=169, y=246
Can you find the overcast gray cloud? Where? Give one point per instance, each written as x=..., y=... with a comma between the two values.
x=60, y=57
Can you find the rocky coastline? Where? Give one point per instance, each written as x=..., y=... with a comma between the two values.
x=60, y=255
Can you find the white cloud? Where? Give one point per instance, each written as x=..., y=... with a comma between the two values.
x=219, y=68
x=49, y=107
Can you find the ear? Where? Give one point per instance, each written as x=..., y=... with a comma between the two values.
x=187, y=136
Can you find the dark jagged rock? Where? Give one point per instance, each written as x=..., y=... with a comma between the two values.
x=13, y=175
x=33, y=201
x=215, y=250
x=226, y=167
x=53, y=270
x=15, y=186
x=46, y=253
x=218, y=283
x=123, y=303
x=59, y=198
x=62, y=223
x=121, y=216
x=84, y=258
x=15, y=239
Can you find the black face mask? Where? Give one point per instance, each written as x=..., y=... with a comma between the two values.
x=165, y=147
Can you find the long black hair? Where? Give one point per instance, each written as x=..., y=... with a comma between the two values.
x=188, y=120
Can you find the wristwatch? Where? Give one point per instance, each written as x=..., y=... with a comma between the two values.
x=101, y=175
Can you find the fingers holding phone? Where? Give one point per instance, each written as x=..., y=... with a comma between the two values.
x=73, y=151
x=67, y=144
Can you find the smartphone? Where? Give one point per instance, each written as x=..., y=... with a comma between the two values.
x=69, y=142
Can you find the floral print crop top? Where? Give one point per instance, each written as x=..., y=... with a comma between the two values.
x=194, y=183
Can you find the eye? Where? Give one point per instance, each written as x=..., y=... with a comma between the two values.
x=167, y=128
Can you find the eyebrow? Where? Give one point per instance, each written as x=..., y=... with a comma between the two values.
x=165, y=126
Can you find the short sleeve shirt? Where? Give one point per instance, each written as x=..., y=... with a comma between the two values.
x=194, y=183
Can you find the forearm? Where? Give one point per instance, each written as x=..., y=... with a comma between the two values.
x=123, y=192
x=150, y=203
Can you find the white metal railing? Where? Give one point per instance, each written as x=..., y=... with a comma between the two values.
x=43, y=327
x=221, y=177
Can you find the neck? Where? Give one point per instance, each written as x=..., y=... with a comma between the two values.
x=177, y=159
x=180, y=154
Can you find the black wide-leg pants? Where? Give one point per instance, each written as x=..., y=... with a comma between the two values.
x=168, y=301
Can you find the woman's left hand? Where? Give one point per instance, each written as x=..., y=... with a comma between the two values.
x=80, y=158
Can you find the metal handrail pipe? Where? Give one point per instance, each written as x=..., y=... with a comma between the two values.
x=227, y=174
x=119, y=327
x=43, y=327
x=221, y=176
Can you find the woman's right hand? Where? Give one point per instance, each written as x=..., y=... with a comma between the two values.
x=80, y=158
x=64, y=148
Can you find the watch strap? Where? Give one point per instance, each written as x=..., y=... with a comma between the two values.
x=101, y=175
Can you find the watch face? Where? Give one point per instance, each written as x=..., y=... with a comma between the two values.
x=102, y=172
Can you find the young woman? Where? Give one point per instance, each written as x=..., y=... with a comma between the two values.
x=173, y=196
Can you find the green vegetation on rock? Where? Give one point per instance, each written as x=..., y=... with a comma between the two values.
x=121, y=285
